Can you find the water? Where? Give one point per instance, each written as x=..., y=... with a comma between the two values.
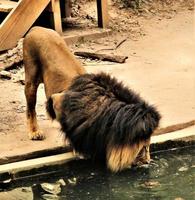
x=170, y=176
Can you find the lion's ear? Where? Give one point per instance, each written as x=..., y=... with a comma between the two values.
x=57, y=101
x=53, y=105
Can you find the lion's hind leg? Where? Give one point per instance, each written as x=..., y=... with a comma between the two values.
x=32, y=81
x=30, y=93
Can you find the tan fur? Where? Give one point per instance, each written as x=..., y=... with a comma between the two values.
x=47, y=60
x=120, y=157
x=57, y=101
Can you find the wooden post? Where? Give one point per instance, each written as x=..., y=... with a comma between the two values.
x=102, y=10
x=67, y=8
x=57, y=22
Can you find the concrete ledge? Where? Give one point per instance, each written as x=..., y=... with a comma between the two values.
x=37, y=162
x=35, y=154
x=173, y=140
x=9, y=172
x=176, y=135
x=12, y=171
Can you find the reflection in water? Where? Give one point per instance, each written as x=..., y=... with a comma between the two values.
x=170, y=176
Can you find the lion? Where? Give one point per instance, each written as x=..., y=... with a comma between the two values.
x=105, y=121
x=100, y=117
x=47, y=60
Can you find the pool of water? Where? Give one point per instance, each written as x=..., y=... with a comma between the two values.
x=171, y=175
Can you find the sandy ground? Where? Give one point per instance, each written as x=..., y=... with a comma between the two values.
x=161, y=67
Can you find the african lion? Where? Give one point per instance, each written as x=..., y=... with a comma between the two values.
x=101, y=118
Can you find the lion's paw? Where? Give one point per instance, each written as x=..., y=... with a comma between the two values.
x=37, y=135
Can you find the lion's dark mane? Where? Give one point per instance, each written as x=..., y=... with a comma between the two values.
x=98, y=111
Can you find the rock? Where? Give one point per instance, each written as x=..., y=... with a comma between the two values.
x=50, y=197
x=52, y=188
x=150, y=184
x=12, y=57
x=61, y=182
x=72, y=181
x=5, y=75
x=20, y=81
x=183, y=169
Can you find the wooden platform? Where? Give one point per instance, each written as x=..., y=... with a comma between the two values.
x=7, y=6
x=19, y=21
x=24, y=13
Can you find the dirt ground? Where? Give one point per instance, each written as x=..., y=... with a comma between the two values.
x=159, y=41
x=160, y=44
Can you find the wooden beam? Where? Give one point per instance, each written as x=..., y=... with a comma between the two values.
x=101, y=56
x=67, y=8
x=57, y=22
x=102, y=10
x=19, y=21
